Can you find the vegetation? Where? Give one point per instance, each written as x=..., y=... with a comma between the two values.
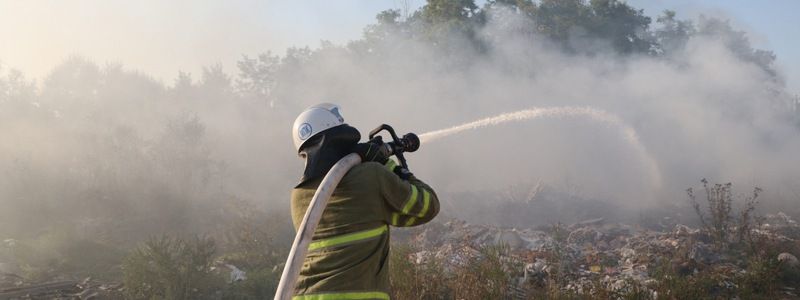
x=487, y=273
x=750, y=268
x=723, y=225
x=170, y=268
x=52, y=254
x=112, y=174
x=576, y=26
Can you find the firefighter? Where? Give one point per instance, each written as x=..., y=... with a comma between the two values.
x=349, y=254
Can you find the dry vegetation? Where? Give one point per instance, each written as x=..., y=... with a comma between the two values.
x=744, y=263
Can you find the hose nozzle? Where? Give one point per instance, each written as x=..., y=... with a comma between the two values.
x=408, y=143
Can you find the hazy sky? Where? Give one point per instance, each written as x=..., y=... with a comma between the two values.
x=162, y=37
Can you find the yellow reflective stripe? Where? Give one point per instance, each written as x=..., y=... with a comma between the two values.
x=347, y=238
x=426, y=202
x=410, y=221
x=390, y=164
x=395, y=219
x=344, y=296
x=411, y=200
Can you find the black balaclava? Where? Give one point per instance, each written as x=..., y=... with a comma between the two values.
x=325, y=149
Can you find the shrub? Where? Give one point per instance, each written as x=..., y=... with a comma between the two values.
x=256, y=243
x=61, y=253
x=416, y=281
x=171, y=268
x=719, y=221
x=487, y=275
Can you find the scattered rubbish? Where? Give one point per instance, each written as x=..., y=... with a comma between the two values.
x=620, y=257
x=67, y=289
x=236, y=273
x=788, y=260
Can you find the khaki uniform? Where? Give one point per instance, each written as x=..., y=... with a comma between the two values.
x=348, y=257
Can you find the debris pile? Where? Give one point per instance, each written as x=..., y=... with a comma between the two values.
x=14, y=287
x=594, y=255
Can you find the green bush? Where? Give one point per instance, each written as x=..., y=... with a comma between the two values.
x=256, y=243
x=718, y=220
x=171, y=268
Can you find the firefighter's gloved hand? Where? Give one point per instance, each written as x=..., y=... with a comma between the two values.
x=372, y=151
x=403, y=173
x=398, y=170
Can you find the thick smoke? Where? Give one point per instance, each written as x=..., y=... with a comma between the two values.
x=701, y=112
x=98, y=145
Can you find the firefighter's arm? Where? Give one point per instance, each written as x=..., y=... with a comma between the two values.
x=411, y=202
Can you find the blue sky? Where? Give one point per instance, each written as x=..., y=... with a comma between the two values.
x=162, y=37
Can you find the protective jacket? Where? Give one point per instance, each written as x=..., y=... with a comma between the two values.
x=349, y=254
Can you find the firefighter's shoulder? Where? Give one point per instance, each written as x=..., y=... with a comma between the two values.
x=371, y=167
x=368, y=170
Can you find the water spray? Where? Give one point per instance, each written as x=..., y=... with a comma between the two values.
x=628, y=133
x=408, y=143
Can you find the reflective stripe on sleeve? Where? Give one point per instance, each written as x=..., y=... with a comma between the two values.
x=411, y=200
x=348, y=238
x=390, y=164
x=426, y=202
x=395, y=219
x=344, y=296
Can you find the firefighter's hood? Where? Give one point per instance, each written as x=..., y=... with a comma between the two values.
x=325, y=149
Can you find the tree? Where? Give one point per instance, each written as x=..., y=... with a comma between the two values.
x=215, y=83
x=17, y=94
x=737, y=42
x=444, y=18
x=447, y=11
x=388, y=23
x=72, y=84
x=673, y=33
x=625, y=27
x=528, y=7
x=556, y=19
x=257, y=76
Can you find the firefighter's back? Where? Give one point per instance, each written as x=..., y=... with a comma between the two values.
x=351, y=244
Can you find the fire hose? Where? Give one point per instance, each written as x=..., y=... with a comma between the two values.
x=305, y=233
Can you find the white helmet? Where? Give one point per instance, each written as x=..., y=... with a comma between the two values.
x=314, y=120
